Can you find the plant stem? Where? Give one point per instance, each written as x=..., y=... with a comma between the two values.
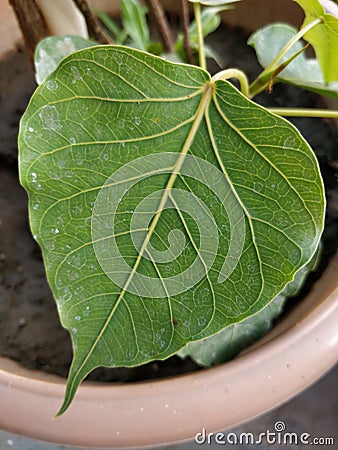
x=184, y=12
x=197, y=13
x=260, y=83
x=234, y=73
x=93, y=26
x=305, y=112
x=157, y=12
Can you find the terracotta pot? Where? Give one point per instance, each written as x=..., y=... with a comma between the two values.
x=291, y=357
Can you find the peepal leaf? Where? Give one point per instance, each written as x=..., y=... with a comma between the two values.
x=167, y=205
x=323, y=37
x=215, y=2
x=51, y=50
x=303, y=72
x=227, y=343
x=210, y=21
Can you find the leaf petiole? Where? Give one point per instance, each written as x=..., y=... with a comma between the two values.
x=201, y=50
x=234, y=73
x=305, y=112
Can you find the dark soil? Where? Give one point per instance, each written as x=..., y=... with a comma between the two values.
x=30, y=331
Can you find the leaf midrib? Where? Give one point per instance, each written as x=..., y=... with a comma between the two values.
x=199, y=115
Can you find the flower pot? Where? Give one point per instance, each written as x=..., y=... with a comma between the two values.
x=296, y=353
x=288, y=360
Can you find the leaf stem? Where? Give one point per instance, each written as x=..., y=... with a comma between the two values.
x=234, y=73
x=305, y=112
x=205, y=100
x=260, y=83
x=198, y=20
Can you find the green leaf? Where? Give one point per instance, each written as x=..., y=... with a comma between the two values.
x=227, y=343
x=119, y=35
x=167, y=205
x=134, y=20
x=51, y=50
x=303, y=72
x=323, y=37
x=210, y=21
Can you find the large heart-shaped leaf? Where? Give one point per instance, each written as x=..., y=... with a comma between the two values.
x=323, y=37
x=51, y=50
x=303, y=72
x=228, y=342
x=167, y=205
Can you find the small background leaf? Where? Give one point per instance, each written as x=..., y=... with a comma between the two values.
x=227, y=343
x=323, y=37
x=134, y=21
x=51, y=50
x=302, y=72
x=119, y=35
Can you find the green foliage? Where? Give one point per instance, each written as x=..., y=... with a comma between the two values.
x=134, y=20
x=167, y=205
x=228, y=342
x=135, y=31
x=303, y=72
x=50, y=51
x=119, y=35
x=174, y=214
x=323, y=37
x=210, y=21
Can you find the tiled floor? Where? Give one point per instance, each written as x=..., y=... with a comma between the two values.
x=314, y=412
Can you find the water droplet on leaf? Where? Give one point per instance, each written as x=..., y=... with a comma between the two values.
x=50, y=118
x=52, y=85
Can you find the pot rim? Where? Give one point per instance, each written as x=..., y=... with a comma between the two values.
x=293, y=356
